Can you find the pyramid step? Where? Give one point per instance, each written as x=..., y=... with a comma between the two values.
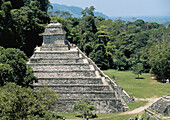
x=102, y=105
x=55, y=54
x=85, y=94
x=59, y=66
x=86, y=80
x=73, y=87
x=56, y=60
x=65, y=73
x=54, y=47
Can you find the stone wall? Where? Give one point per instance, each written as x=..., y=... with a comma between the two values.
x=64, y=73
x=77, y=87
x=59, y=66
x=55, y=39
x=73, y=75
x=67, y=80
x=55, y=54
x=102, y=105
x=162, y=106
x=113, y=84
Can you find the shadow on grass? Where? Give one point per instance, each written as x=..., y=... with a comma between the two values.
x=161, y=81
x=139, y=78
x=90, y=116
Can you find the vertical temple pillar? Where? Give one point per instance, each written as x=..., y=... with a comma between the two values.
x=54, y=34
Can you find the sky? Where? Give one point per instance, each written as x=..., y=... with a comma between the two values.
x=123, y=7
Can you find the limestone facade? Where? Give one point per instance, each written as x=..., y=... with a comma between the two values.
x=73, y=75
x=162, y=106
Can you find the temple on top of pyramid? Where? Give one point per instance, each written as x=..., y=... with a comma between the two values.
x=54, y=34
x=74, y=76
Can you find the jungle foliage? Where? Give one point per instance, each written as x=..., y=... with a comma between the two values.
x=21, y=22
x=120, y=45
x=21, y=103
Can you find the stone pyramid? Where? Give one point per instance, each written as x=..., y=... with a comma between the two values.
x=73, y=75
x=162, y=106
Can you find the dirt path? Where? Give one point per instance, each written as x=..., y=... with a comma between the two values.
x=135, y=111
x=140, y=109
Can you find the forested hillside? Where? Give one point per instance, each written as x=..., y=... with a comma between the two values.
x=110, y=44
x=75, y=11
x=120, y=45
x=21, y=23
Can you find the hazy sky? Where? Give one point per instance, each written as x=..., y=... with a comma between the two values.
x=123, y=7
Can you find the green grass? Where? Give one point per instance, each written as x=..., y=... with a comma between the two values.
x=68, y=115
x=121, y=117
x=136, y=104
x=140, y=88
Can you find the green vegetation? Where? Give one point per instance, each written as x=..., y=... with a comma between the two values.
x=120, y=45
x=127, y=117
x=140, y=88
x=13, y=68
x=138, y=69
x=160, y=53
x=23, y=103
x=112, y=116
x=21, y=22
x=136, y=104
x=85, y=107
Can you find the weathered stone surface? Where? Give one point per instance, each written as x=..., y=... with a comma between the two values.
x=55, y=54
x=102, y=105
x=72, y=80
x=162, y=106
x=59, y=66
x=74, y=87
x=54, y=34
x=72, y=73
x=56, y=60
x=73, y=76
x=85, y=94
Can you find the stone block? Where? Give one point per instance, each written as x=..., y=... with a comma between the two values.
x=66, y=80
x=75, y=73
x=73, y=87
x=59, y=67
x=102, y=105
x=85, y=94
x=55, y=54
x=56, y=60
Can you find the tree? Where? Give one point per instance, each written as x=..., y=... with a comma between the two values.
x=84, y=106
x=99, y=56
x=20, y=19
x=14, y=69
x=48, y=98
x=6, y=73
x=20, y=103
x=159, y=58
x=138, y=69
x=88, y=11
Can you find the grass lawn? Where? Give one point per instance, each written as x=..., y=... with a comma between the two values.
x=140, y=88
x=123, y=117
x=136, y=104
x=68, y=115
x=111, y=116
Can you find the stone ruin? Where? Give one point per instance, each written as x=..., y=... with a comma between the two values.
x=73, y=76
x=162, y=106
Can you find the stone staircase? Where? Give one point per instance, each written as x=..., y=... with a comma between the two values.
x=72, y=76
